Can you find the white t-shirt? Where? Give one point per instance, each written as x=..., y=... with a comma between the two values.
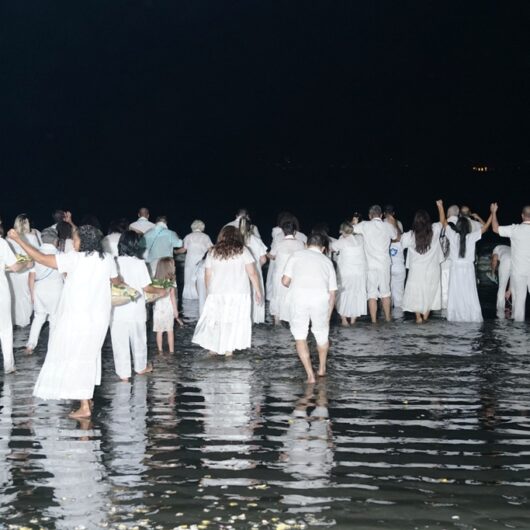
x=309, y=269
x=503, y=252
x=135, y=274
x=110, y=244
x=47, y=274
x=377, y=238
x=278, y=235
x=229, y=276
x=454, y=247
x=197, y=243
x=520, y=239
x=7, y=259
x=142, y=225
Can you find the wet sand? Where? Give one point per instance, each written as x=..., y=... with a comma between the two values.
x=414, y=427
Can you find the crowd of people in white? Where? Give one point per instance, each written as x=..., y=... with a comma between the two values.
x=63, y=274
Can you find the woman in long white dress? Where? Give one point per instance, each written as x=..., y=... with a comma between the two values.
x=195, y=244
x=259, y=253
x=22, y=307
x=463, y=304
x=423, y=292
x=72, y=366
x=225, y=324
x=8, y=261
x=352, y=301
x=280, y=252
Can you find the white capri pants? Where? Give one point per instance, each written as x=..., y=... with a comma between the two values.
x=520, y=286
x=127, y=337
x=309, y=307
x=378, y=283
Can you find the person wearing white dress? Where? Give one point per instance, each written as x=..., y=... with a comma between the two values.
x=46, y=286
x=501, y=263
x=65, y=243
x=225, y=324
x=128, y=323
x=22, y=307
x=259, y=252
x=72, y=367
x=452, y=216
x=463, y=304
x=142, y=224
x=195, y=245
x=110, y=241
x=8, y=262
x=423, y=288
x=352, y=301
x=519, y=235
x=279, y=254
x=377, y=238
x=242, y=213
x=398, y=271
x=310, y=277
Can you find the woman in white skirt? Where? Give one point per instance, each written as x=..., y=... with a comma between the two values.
x=352, y=301
x=281, y=251
x=195, y=244
x=22, y=304
x=72, y=366
x=259, y=253
x=225, y=324
x=463, y=304
x=423, y=292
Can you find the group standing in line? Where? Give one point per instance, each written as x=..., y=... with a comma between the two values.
x=66, y=274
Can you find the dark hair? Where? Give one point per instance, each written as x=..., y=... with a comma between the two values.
x=288, y=228
x=462, y=228
x=161, y=219
x=245, y=228
x=118, y=226
x=129, y=244
x=242, y=212
x=90, y=240
x=389, y=209
x=64, y=232
x=422, y=228
x=1, y=229
x=318, y=240
x=58, y=216
x=229, y=243
x=92, y=220
x=321, y=229
x=282, y=217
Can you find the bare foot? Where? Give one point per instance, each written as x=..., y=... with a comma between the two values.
x=310, y=380
x=80, y=413
x=172, y=352
x=229, y=353
x=160, y=352
x=321, y=373
x=124, y=379
x=148, y=369
x=10, y=371
x=419, y=320
x=28, y=350
x=344, y=323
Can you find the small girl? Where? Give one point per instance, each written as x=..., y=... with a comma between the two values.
x=165, y=309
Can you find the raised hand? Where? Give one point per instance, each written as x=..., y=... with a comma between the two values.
x=13, y=234
x=494, y=207
x=440, y=203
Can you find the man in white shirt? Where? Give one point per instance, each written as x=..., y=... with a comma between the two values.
x=142, y=225
x=501, y=261
x=243, y=212
x=377, y=238
x=519, y=235
x=312, y=284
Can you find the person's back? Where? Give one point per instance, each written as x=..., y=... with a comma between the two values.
x=377, y=238
x=310, y=270
x=519, y=235
x=228, y=276
x=454, y=249
x=160, y=241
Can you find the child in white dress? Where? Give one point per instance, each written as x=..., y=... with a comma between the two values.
x=165, y=311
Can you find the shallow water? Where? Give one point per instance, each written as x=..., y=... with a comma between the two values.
x=414, y=427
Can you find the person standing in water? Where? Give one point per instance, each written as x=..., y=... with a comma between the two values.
x=501, y=263
x=310, y=277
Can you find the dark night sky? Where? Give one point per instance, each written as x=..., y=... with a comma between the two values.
x=196, y=107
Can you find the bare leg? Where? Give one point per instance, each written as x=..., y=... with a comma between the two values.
x=171, y=341
x=229, y=353
x=372, y=306
x=322, y=358
x=426, y=316
x=303, y=353
x=344, y=321
x=387, y=304
x=353, y=319
x=159, y=341
x=146, y=370
x=83, y=411
x=419, y=319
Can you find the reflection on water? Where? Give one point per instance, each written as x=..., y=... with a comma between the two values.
x=414, y=427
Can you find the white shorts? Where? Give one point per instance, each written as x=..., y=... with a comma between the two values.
x=314, y=310
x=378, y=283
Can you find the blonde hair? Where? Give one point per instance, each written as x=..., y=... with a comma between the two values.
x=21, y=224
x=346, y=228
x=165, y=269
x=197, y=226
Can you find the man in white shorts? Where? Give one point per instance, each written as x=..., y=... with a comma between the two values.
x=519, y=235
x=377, y=238
x=312, y=284
x=501, y=261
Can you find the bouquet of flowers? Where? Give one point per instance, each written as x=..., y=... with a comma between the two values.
x=160, y=284
x=123, y=294
x=26, y=260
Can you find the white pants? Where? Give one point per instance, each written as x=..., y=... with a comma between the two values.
x=38, y=321
x=446, y=268
x=378, y=283
x=6, y=332
x=504, y=277
x=397, y=286
x=520, y=286
x=306, y=307
x=127, y=336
